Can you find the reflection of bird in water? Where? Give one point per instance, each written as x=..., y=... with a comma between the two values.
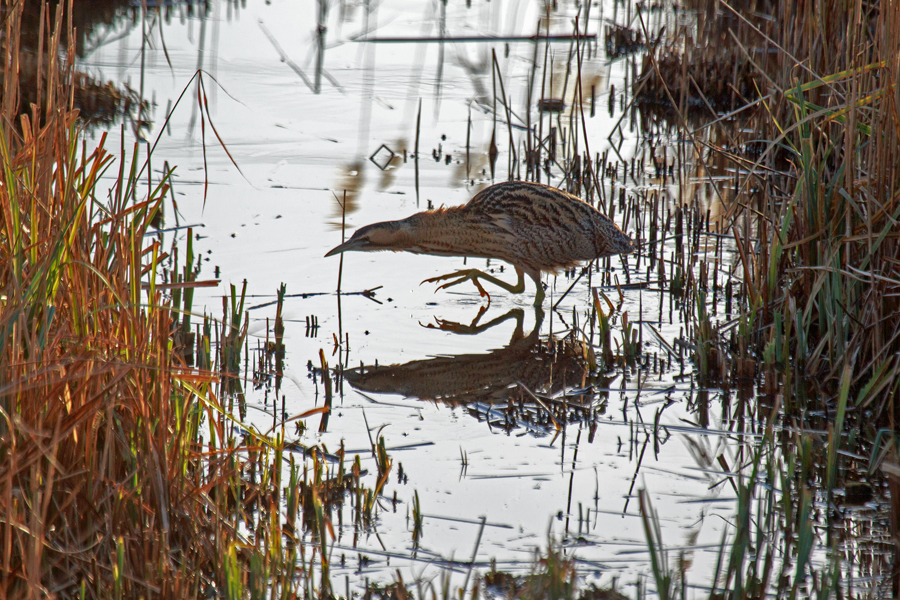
x=521, y=382
x=537, y=383
x=527, y=368
x=533, y=226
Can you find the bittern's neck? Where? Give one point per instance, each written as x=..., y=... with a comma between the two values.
x=437, y=231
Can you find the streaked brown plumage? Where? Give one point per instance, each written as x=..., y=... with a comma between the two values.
x=532, y=226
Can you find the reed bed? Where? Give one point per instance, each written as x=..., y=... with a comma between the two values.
x=815, y=196
x=822, y=282
x=124, y=473
x=103, y=493
x=813, y=205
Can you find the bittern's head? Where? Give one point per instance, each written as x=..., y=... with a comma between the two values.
x=390, y=235
x=626, y=245
x=615, y=241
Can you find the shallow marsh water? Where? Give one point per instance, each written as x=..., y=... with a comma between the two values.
x=302, y=136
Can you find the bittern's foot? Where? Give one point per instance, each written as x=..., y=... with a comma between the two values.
x=461, y=276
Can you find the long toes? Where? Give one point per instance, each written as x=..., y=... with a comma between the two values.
x=441, y=278
x=436, y=279
x=450, y=284
x=462, y=275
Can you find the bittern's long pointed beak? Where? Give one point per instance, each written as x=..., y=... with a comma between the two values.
x=349, y=245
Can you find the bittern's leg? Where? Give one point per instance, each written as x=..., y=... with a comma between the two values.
x=474, y=275
x=539, y=294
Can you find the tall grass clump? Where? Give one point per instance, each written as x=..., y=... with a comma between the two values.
x=95, y=427
x=822, y=202
x=826, y=271
x=815, y=153
x=119, y=472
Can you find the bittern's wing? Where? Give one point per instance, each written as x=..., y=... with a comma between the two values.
x=544, y=228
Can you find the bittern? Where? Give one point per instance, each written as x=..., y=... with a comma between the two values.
x=532, y=226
